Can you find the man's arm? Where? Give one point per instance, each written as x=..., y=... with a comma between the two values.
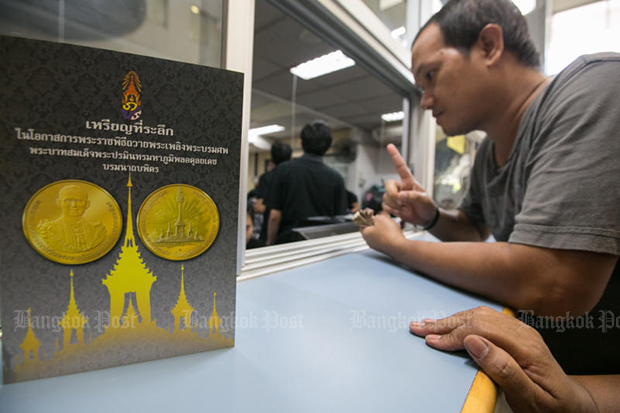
x=515, y=356
x=546, y=281
x=275, y=215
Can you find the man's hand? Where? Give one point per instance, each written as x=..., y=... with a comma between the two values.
x=407, y=199
x=383, y=235
x=514, y=355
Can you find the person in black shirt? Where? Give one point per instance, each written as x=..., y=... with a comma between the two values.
x=305, y=187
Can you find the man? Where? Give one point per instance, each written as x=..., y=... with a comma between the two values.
x=305, y=187
x=71, y=232
x=543, y=182
x=280, y=152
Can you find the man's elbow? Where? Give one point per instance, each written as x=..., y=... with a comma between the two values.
x=552, y=282
x=275, y=216
x=560, y=298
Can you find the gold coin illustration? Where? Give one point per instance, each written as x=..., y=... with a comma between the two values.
x=72, y=222
x=178, y=222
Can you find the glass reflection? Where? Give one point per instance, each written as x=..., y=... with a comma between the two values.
x=349, y=100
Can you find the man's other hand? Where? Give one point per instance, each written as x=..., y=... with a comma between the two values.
x=514, y=355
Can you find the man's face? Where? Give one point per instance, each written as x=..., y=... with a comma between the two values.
x=73, y=202
x=451, y=81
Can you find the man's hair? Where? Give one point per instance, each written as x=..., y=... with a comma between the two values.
x=461, y=21
x=280, y=152
x=316, y=137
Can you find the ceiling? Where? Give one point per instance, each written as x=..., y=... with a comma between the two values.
x=350, y=98
x=345, y=99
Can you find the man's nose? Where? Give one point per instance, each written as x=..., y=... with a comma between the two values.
x=427, y=101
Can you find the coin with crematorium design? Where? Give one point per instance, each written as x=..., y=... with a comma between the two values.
x=178, y=222
x=72, y=222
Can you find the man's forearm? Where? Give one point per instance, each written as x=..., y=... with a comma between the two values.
x=549, y=282
x=604, y=390
x=455, y=226
x=273, y=225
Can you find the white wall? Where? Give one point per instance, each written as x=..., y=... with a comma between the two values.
x=372, y=166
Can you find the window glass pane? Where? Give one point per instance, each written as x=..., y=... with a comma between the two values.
x=187, y=31
x=600, y=21
x=454, y=157
x=350, y=100
x=393, y=13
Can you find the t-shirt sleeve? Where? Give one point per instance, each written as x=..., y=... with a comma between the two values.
x=572, y=197
x=261, y=188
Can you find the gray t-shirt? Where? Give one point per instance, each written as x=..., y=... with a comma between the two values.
x=560, y=188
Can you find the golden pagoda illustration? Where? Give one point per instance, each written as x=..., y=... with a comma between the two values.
x=72, y=320
x=30, y=345
x=182, y=309
x=214, y=321
x=129, y=336
x=179, y=234
x=130, y=275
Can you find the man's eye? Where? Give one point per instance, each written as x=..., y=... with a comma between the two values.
x=430, y=75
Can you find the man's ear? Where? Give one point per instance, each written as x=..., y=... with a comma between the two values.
x=491, y=43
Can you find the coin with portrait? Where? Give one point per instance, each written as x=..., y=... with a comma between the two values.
x=72, y=222
x=178, y=222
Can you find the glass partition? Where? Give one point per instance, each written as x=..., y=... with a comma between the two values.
x=350, y=100
x=454, y=157
x=600, y=20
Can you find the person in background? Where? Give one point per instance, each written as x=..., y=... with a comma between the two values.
x=251, y=242
x=515, y=356
x=544, y=181
x=305, y=187
x=258, y=213
x=354, y=205
x=280, y=152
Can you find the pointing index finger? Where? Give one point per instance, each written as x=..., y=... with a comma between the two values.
x=401, y=167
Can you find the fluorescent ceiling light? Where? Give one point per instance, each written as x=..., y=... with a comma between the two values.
x=394, y=116
x=323, y=65
x=265, y=130
x=194, y=9
x=525, y=6
x=396, y=33
x=259, y=142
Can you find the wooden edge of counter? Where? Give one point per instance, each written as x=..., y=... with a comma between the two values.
x=482, y=395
